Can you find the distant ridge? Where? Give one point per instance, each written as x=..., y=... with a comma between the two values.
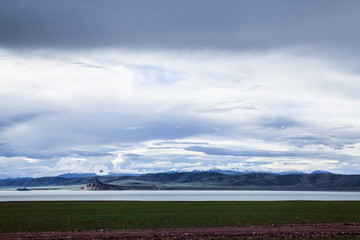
x=210, y=180
x=77, y=175
x=218, y=170
x=320, y=171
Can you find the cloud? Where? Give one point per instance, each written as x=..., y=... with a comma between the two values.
x=8, y=121
x=272, y=154
x=231, y=109
x=133, y=86
x=72, y=164
x=304, y=139
x=205, y=24
x=225, y=152
x=89, y=153
x=181, y=143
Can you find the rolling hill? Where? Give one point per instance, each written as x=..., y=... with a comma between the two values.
x=199, y=181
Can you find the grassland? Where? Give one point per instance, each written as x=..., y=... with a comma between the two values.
x=73, y=216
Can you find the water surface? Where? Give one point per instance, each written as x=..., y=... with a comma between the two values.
x=176, y=195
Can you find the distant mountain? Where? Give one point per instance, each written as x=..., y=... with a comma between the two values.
x=77, y=175
x=218, y=170
x=320, y=171
x=199, y=180
x=244, y=181
x=232, y=171
x=290, y=173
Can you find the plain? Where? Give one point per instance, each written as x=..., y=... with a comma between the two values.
x=79, y=216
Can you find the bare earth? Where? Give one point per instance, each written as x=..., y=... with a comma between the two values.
x=295, y=231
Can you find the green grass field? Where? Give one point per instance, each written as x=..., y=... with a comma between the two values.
x=68, y=216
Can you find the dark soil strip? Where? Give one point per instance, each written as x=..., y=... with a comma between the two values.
x=296, y=231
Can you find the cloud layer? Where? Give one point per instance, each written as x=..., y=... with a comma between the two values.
x=146, y=86
x=143, y=111
x=189, y=24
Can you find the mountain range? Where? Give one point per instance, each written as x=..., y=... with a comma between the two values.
x=201, y=180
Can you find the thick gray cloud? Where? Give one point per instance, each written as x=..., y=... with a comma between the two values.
x=143, y=86
x=229, y=24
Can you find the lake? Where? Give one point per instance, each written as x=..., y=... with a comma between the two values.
x=176, y=195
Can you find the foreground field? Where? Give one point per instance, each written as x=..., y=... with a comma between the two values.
x=80, y=216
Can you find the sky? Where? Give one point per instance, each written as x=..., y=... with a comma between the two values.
x=143, y=86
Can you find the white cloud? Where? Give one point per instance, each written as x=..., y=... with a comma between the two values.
x=53, y=102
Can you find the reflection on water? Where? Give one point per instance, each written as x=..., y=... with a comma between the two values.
x=181, y=195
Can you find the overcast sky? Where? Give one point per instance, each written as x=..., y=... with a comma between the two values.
x=154, y=86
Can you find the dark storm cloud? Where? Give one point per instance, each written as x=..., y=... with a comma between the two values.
x=249, y=24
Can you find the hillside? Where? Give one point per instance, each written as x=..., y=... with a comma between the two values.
x=97, y=185
x=202, y=180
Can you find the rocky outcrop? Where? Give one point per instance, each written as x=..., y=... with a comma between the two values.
x=97, y=185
